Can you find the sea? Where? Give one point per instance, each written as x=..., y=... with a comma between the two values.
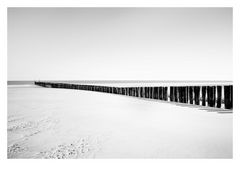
x=125, y=83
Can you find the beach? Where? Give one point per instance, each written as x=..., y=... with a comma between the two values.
x=64, y=123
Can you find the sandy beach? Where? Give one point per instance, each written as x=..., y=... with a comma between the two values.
x=63, y=123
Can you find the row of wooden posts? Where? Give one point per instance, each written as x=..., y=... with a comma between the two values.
x=212, y=96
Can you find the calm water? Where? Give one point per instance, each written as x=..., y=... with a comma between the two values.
x=20, y=82
x=123, y=82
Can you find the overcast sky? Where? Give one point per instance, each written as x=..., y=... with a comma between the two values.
x=120, y=44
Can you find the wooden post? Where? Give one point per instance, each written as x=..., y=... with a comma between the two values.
x=191, y=94
x=155, y=93
x=175, y=94
x=160, y=93
x=228, y=96
x=179, y=94
x=150, y=92
x=219, y=96
x=141, y=91
x=182, y=94
x=203, y=95
x=196, y=94
x=186, y=94
x=211, y=96
x=147, y=92
x=231, y=88
x=165, y=93
x=171, y=94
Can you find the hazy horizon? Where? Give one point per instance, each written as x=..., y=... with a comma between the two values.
x=24, y=82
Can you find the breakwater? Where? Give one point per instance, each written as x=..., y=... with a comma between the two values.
x=219, y=96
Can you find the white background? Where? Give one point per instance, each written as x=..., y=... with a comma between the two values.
x=117, y=163
x=120, y=43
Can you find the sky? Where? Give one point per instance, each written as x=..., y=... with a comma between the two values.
x=120, y=44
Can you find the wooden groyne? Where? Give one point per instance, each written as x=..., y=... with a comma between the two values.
x=219, y=96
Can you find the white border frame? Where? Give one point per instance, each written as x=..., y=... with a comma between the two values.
x=117, y=163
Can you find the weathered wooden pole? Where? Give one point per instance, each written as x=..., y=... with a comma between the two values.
x=211, y=96
x=171, y=94
x=144, y=92
x=147, y=92
x=155, y=93
x=191, y=94
x=203, y=95
x=183, y=95
x=231, y=88
x=141, y=91
x=179, y=89
x=136, y=89
x=165, y=93
x=150, y=92
x=175, y=93
x=219, y=96
x=186, y=94
x=196, y=94
x=160, y=93
x=228, y=96
x=131, y=91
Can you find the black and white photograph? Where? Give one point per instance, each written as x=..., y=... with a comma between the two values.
x=119, y=82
